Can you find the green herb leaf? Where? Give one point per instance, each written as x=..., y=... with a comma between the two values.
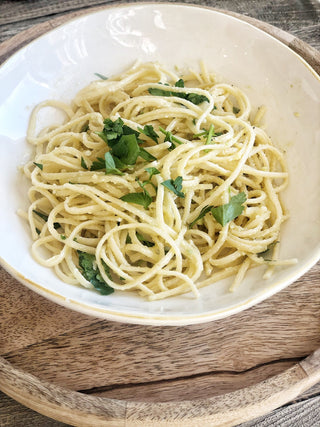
x=63, y=237
x=90, y=272
x=83, y=163
x=191, y=97
x=149, y=131
x=101, y=76
x=203, y=212
x=45, y=217
x=40, y=165
x=126, y=149
x=144, y=241
x=146, y=155
x=179, y=83
x=152, y=171
x=159, y=92
x=171, y=138
x=175, y=186
x=196, y=99
x=229, y=211
x=210, y=134
x=268, y=252
x=111, y=131
x=235, y=110
x=110, y=165
x=85, y=127
x=144, y=199
x=98, y=164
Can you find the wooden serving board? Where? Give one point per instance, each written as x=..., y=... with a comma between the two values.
x=90, y=372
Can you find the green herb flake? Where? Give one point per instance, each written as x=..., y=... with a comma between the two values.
x=152, y=171
x=40, y=165
x=268, y=252
x=63, y=237
x=110, y=165
x=45, y=217
x=144, y=199
x=191, y=97
x=229, y=211
x=179, y=83
x=98, y=164
x=175, y=186
x=144, y=241
x=146, y=155
x=149, y=131
x=85, y=127
x=101, y=76
x=202, y=214
x=170, y=138
x=84, y=164
x=90, y=272
x=235, y=110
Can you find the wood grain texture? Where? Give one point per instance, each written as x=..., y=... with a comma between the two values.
x=139, y=366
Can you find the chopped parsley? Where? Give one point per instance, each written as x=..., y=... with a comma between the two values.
x=225, y=213
x=175, y=186
x=84, y=164
x=123, y=142
x=45, y=217
x=40, y=165
x=143, y=198
x=149, y=131
x=101, y=76
x=90, y=272
x=189, y=96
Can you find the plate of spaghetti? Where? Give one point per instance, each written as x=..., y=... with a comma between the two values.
x=158, y=176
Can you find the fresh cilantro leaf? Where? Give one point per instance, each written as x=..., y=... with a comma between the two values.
x=110, y=165
x=191, y=97
x=196, y=99
x=203, y=212
x=144, y=199
x=144, y=241
x=45, y=217
x=210, y=134
x=229, y=211
x=83, y=163
x=40, y=165
x=126, y=149
x=85, y=127
x=111, y=131
x=152, y=171
x=101, y=76
x=179, y=83
x=98, y=164
x=159, y=92
x=90, y=272
x=175, y=186
x=267, y=253
x=149, y=131
x=170, y=137
x=146, y=155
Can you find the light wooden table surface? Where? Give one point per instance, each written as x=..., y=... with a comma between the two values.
x=300, y=18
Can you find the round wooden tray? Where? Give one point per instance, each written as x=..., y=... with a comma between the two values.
x=85, y=371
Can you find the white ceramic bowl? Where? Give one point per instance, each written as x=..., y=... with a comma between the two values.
x=64, y=60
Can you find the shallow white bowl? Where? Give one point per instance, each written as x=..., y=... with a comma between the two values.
x=64, y=60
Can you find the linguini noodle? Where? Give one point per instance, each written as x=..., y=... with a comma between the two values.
x=173, y=245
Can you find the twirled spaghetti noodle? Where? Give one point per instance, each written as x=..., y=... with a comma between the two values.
x=174, y=244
